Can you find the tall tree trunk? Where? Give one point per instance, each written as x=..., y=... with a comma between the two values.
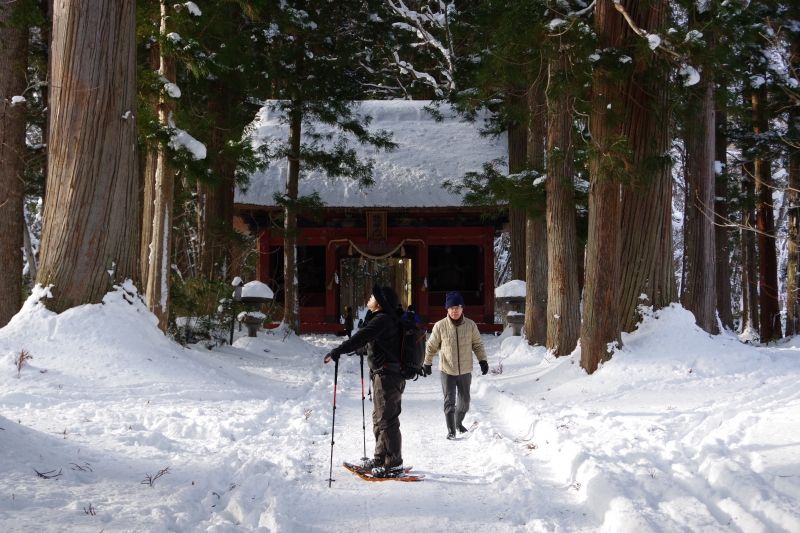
x=215, y=216
x=685, y=227
x=700, y=295
x=600, y=327
x=792, y=293
x=158, y=275
x=563, y=298
x=769, y=308
x=88, y=240
x=536, y=285
x=47, y=34
x=13, y=61
x=535, y=229
x=744, y=321
x=148, y=180
x=722, y=233
x=646, y=267
x=517, y=146
x=749, y=265
x=291, y=304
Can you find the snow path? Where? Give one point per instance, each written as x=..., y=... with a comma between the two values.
x=679, y=432
x=479, y=482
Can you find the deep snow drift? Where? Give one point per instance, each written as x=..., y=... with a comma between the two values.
x=681, y=431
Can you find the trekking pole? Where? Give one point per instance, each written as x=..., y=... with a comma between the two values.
x=363, y=417
x=333, y=423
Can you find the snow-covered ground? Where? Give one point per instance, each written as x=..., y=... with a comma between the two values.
x=681, y=431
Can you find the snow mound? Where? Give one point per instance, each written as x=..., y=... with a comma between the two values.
x=114, y=343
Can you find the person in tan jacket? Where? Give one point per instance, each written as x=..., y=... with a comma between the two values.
x=455, y=337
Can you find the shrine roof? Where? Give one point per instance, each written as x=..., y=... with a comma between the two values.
x=428, y=153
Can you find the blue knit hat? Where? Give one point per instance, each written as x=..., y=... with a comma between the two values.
x=453, y=299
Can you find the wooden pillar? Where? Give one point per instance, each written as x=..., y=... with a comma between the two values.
x=262, y=266
x=488, y=276
x=331, y=288
x=422, y=291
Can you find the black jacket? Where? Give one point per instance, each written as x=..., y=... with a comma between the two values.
x=381, y=335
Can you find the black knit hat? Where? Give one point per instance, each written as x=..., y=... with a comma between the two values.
x=385, y=296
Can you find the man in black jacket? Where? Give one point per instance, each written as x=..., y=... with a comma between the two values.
x=381, y=335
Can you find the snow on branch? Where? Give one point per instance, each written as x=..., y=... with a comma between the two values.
x=687, y=71
x=423, y=24
x=655, y=43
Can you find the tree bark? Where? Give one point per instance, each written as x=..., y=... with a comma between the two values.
x=700, y=295
x=721, y=230
x=148, y=179
x=535, y=230
x=792, y=300
x=90, y=235
x=47, y=34
x=769, y=308
x=13, y=61
x=215, y=216
x=749, y=268
x=563, y=298
x=536, y=286
x=291, y=304
x=646, y=267
x=158, y=275
x=517, y=159
x=793, y=196
x=600, y=327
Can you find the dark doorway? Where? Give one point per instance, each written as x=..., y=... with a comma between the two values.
x=455, y=268
x=310, y=275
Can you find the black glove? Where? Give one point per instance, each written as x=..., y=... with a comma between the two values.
x=427, y=370
x=330, y=356
x=484, y=367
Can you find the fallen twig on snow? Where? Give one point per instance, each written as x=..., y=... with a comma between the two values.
x=151, y=479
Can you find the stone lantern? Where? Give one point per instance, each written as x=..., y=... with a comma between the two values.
x=516, y=321
x=510, y=303
x=254, y=294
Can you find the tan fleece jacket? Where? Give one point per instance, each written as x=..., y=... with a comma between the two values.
x=455, y=346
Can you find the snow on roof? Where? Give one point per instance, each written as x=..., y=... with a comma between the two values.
x=513, y=288
x=428, y=152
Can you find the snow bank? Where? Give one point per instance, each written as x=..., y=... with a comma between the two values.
x=680, y=430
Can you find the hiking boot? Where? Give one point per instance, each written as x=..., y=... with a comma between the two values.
x=388, y=471
x=451, y=425
x=459, y=423
x=369, y=464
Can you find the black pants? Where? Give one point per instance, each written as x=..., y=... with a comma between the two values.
x=458, y=404
x=387, y=390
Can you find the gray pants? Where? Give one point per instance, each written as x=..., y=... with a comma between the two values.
x=387, y=393
x=458, y=404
